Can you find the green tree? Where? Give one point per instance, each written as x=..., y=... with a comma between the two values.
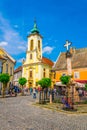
x=45, y=82
x=4, y=78
x=86, y=87
x=22, y=81
x=65, y=79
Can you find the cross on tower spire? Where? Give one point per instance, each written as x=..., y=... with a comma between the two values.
x=35, y=29
x=67, y=44
x=35, y=23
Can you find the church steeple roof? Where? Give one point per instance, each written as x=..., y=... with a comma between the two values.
x=35, y=29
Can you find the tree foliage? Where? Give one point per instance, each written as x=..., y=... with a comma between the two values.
x=22, y=81
x=65, y=79
x=4, y=78
x=45, y=82
x=86, y=87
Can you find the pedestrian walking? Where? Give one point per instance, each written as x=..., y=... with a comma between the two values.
x=31, y=90
x=34, y=93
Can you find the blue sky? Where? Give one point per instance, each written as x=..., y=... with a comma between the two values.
x=57, y=21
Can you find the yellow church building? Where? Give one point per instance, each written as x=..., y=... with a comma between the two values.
x=35, y=66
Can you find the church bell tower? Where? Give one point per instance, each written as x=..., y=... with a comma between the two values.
x=34, y=51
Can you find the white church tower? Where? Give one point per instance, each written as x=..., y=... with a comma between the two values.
x=34, y=52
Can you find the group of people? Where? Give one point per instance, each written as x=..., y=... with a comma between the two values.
x=33, y=91
x=13, y=89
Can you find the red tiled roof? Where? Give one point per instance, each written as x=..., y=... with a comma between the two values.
x=18, y=69
x=47, y=61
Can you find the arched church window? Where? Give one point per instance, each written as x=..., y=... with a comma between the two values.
x=31, y=74
x=31, y=45
x=30, y=56
x=44, y=72
x=39, y=45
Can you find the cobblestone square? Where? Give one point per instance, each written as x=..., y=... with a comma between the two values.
x=18, y=113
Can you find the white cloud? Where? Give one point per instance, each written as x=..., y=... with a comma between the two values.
x=3, y=43
x=11, y=36
x=22, y=48
x=20, y=60
x=48, y=49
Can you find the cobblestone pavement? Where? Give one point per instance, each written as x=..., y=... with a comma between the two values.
x=18, y=113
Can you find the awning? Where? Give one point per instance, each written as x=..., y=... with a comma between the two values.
x=59, y=84
x=81, y=81
x=81, y=85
